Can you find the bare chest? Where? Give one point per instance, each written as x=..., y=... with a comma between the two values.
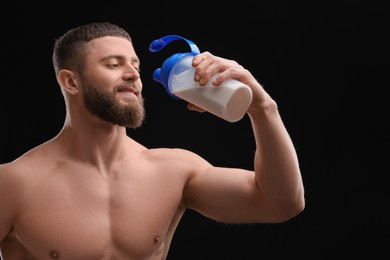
x=97, y=218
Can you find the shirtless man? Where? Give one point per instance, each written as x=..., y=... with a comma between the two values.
x=92, y=192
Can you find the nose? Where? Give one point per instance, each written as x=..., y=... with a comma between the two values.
x=131, y=73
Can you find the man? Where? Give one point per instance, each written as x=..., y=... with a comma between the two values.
x=92, y=192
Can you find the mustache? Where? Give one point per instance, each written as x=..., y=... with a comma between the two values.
x=129, y=87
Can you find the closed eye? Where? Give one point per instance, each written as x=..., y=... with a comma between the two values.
x=112, y=65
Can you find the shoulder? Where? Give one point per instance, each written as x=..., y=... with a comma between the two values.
x=13, y=181
x=5, y=169
x=33, y=161
x=177, y=160
x=10, y=184
x=12, y=171
x=174, y=155
x=8, y=179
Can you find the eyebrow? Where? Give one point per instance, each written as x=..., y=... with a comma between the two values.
x=121, y=57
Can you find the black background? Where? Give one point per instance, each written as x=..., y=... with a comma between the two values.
x=325, y=63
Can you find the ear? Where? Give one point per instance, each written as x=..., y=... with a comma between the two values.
x=68, y=82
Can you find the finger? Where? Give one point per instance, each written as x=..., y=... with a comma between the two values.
x=193, y=107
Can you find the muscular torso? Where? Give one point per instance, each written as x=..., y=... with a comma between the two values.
x=71, y=210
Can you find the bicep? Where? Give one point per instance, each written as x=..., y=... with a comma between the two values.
x=224, y=194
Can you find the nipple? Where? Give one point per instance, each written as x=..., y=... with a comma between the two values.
x=54, y=254
x=156, y=239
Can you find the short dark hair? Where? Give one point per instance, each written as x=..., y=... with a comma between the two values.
x=70, y=47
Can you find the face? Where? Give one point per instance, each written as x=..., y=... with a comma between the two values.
x=111, y=82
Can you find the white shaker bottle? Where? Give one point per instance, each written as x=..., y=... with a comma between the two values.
x=229, y=101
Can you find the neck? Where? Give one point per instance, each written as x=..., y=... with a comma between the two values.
x=93, y=140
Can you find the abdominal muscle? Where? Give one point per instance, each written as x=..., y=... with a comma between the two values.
x=129, y=216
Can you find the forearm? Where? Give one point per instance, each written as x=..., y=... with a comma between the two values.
x=276, y=164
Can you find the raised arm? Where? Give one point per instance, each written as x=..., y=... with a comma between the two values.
x=275, y=191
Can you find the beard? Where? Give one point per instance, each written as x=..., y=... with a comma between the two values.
x=104, y=105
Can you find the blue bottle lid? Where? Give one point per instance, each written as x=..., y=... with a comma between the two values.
x=161, y=75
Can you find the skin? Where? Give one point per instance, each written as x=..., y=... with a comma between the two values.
x=92, y=192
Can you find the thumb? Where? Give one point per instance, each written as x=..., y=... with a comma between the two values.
x=193, y=107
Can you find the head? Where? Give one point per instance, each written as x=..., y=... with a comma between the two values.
x=100, y=81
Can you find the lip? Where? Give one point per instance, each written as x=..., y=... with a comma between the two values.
x=128, y=90
x=127, y=93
